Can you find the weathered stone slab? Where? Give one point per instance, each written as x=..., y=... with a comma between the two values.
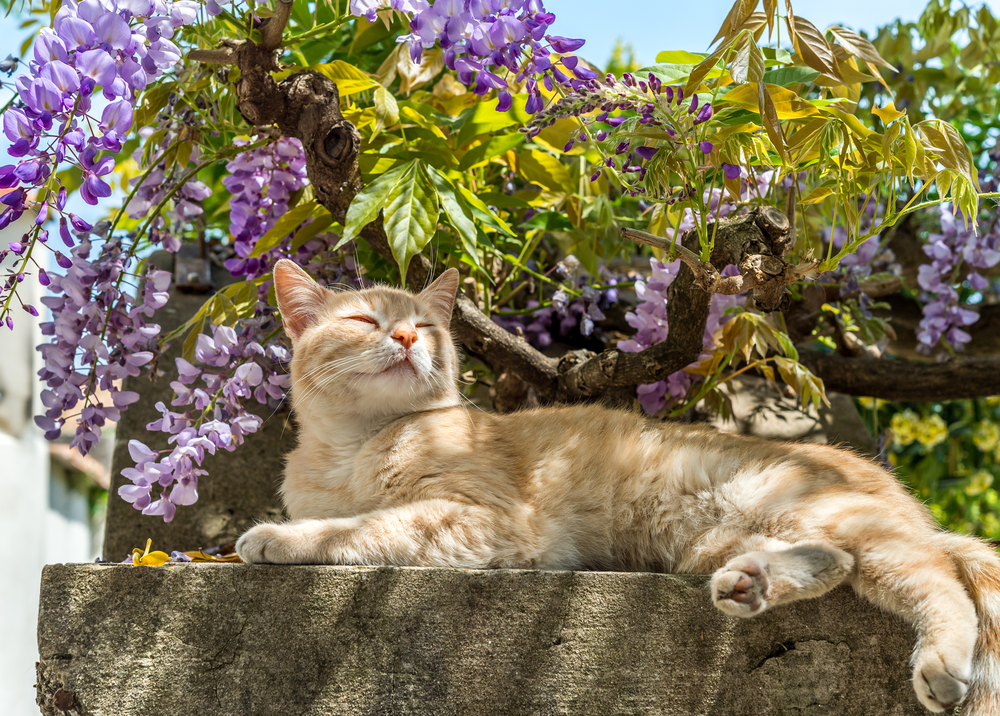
x=239, y=639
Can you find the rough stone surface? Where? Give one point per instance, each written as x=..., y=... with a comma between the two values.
x=241, y=487
x=239, y=639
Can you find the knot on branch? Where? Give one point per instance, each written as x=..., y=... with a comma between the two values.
x=755, y=243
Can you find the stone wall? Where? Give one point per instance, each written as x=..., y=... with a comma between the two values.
x=238, y=639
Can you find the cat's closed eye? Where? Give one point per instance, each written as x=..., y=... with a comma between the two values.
x=363, y=319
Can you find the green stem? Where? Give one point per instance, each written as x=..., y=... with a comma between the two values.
x=318, y=30
x=128, y=199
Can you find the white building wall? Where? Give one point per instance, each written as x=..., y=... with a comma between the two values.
x=41, y=520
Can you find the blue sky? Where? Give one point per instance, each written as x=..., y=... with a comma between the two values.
x=656, y=25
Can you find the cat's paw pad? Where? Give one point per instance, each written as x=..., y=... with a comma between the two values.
x=938, y=688
x=740, y=588
x=266, y=544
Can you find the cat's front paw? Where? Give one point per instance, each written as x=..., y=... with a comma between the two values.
x=740, y=589
x=270, y=544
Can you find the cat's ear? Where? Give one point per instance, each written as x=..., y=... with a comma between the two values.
x=300, y=299
x=440, y=295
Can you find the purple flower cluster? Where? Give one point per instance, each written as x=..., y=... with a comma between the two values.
x=564, y=313
x=158, y=183
x=235, y=366
x=115, y=46
x=262, y=182
x=99, y=334
x=650, y=321
x=485, y=39
x=955, y=252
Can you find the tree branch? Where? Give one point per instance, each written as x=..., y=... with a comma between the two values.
x=273, y=28
x=763, y=271
x=956, y=379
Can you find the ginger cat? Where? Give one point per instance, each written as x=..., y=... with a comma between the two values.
x=392, y=469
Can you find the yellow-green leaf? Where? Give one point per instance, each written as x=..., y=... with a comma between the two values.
x=679, y=57
x=349, y=79
x=816, y=195
x=283, y=227
x=787, y=104
x=888, y=114
x=546, y=171
x=386, y=110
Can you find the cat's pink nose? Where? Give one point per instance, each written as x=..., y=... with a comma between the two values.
x=405, y=335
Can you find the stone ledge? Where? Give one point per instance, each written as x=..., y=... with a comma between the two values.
x=239, y=639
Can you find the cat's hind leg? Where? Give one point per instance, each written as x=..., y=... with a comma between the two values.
x=755, y=581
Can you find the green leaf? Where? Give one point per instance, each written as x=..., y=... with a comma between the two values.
x=949, y=148
x=678, y=57
x=386, y=110
x=490, y=149
x=484, y=119
x=191, y=342
x=411, y=214
x=668, y=74
x=549, y=221
x=789, y=76
x=224, y=312
x=504, y=201
x=458, y=211
x=483, y=212
x=369, y=202
x=245, y=299
x=307, y=233
x=283, y=227
x=769, y=115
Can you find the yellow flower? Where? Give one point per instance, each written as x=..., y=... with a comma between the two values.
x=871, y=402
x=986, y=436
x=979, y=483
x=931, y=431
x=993, y=401
x=991, y=525
x=147, y=558
x=904, y=425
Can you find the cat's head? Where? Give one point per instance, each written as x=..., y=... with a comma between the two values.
x=375, y=352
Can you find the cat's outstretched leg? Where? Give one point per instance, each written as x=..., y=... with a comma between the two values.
x=433, y=533
x=755, y=581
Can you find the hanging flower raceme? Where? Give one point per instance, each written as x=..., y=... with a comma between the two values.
x=115, y=46
x=158, y=183
x=956, y=252
x=99, y=334
x=490, y=42
x=234, y=368
x=262, y=182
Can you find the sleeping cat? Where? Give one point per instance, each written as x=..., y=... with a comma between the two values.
x=391, y=468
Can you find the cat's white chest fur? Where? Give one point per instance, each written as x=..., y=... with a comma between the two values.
x=322, y=478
